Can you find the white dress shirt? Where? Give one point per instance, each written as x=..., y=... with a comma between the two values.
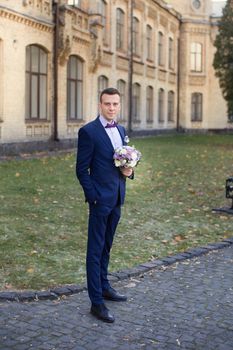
x=113, y=133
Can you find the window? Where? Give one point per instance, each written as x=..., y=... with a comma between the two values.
x=136, y=102
x=36, y=82
x=171, y=53
x=196, y=57
x=103, y=12
x=196, y=106
x=161, y=105
x=170, y=106
x=74, y=3
x=102, y=84
x=136, y=38
x=149, y=42
x=160, y=49
x=120, y=18
x=121, y=87
x=75, y=88
x=149, y=104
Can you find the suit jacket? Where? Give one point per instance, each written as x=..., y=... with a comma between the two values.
x=100, y=179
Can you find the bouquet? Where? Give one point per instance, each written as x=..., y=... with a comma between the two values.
x=126, y=156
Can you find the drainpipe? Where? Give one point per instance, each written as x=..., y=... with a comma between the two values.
x=178, y=79
x=130, y=66
x=55, y=67
x=178, y=87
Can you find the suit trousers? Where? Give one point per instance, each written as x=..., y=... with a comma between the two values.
x=102, y=225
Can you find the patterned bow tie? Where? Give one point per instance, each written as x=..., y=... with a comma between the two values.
x=112, y=125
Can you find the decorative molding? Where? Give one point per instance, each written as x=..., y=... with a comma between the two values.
x=72, y=129
x=138, y=68
x=106, y=59
x=122, y=63
x=163, y=21
x=150, y=71
x=28, y=21
x=162, y=75
x=38, y=129
x=139, y=5
x=173, y=27
x=80, y=40
x=152, y=13
x=44, y=6
x=172, y=78
x=64, y=48
x=197, y=80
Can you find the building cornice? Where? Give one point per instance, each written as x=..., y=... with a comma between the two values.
x=196, y=21
x=30, y=21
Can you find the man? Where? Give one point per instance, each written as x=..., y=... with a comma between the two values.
x=104, y=188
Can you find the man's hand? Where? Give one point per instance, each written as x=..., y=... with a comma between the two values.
x=126, y=171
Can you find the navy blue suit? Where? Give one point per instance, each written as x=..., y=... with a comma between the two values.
x=104, y=189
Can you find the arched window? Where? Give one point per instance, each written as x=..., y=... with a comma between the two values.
x=102, y=84
x=196, y=106
x=161, y=49
x=149, y=42
x=75, y=88
x=120, y=24
x=196, y=57
x=136, y=102
x=171, y=53
x=170, y=106
x=149, y=104
x=36, y=82
x=121, y=87
x=161, y=105
x=136, y=36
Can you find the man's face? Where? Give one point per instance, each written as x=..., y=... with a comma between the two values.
x=109, y=106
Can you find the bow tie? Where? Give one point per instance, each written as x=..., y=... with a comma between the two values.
x=112, y=125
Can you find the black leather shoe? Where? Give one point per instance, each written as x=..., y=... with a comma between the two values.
x=112, y=294
x=102, y=313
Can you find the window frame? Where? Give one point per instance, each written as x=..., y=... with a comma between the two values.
x=136, y=102
x=149, y=40
x=196, y=107
x=161, y=49
x=161, y=105
x=196, y=57
x=170, y=53
x=36, y=77
x=121, y=87
x=136, y=36
x=149, y=104
x=103, y=11
x=171, y=106
x=75, y=83
x=120, y=29
x=102, y=83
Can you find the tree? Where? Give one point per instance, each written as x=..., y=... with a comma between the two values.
x=223, y=59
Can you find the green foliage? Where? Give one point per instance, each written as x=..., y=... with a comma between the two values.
x=223, y=59
x=43, y=221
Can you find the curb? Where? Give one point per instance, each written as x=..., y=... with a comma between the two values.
x=58, y=292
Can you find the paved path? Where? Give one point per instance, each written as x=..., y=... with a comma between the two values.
x=187, y=305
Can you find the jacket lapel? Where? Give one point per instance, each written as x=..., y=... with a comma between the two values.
x=103, y=135
x=121, y=132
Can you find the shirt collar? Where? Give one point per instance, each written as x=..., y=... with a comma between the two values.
x=104, y=121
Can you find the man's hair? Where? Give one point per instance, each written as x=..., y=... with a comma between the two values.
x=109, y=91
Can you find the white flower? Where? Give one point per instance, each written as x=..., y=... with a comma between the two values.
x=117, y=163
x=134, y=155
x=123, y=151
x=126, y=139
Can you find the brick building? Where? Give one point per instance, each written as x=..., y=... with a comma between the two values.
x=56, y=56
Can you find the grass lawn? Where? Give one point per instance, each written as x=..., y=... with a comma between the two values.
x=43, y=217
